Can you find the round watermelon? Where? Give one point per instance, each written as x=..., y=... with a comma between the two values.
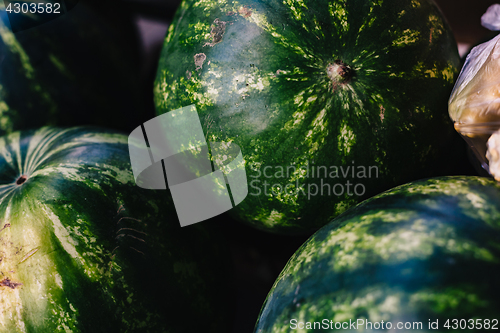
x=83, y=249
x=421, y=253
x=331, y=101
x=81, y=68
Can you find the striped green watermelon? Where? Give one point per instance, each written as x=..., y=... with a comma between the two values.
x=357, y=88
x=83, y=249
x=427, y=250
x=78, y=69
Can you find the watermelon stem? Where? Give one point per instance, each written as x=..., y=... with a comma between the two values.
x=21, y=180
x=339, y=72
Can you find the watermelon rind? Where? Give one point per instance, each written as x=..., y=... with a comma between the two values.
x=83, y=249
x=423, y=252
x=355, y=88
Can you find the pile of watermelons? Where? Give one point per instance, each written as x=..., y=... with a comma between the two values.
x=356, y=178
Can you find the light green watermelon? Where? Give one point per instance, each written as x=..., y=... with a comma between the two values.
x=83, y=249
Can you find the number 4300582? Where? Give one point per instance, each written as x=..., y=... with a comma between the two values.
x=34, y=8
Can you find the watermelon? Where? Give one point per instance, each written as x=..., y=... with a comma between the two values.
x=331, y=101
x=83, y=249
x=81, y=68
x=424, y=252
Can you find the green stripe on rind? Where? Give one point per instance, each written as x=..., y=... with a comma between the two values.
x=264, y=86
x=94, y=252
x=424, y=250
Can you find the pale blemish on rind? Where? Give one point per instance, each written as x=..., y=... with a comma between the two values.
x=245, y=11
x=199, y=59
x=217, y=31
x=6, y=282
x=29, y=254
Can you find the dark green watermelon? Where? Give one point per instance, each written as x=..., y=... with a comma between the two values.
x=331, y=101
x=81, y=68
x=427, y=250
x=83, y=249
